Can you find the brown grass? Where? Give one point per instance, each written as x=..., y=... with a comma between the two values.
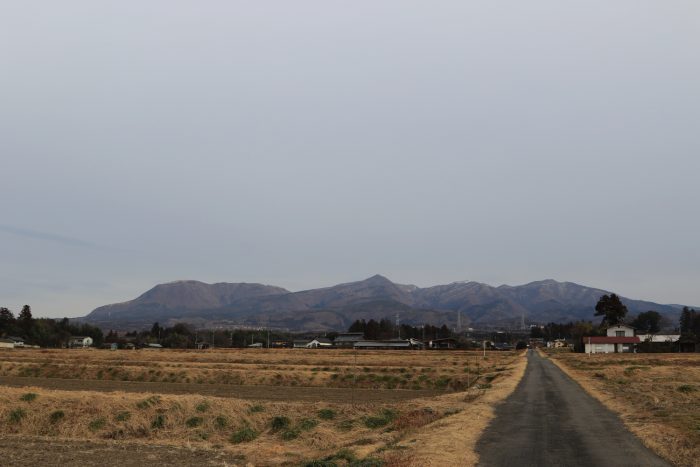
x=392, y=432
x=271, y=367
x=656, y=395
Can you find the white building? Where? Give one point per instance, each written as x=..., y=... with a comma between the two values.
x=7, y=343
x=619, y=338
x=80, y=342
x=659, y=337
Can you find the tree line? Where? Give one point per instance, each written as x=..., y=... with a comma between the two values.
x=386, y=329
x=44, y=332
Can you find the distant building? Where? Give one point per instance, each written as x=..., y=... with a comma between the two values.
x=392, y=344
x=256, y=345
x=320, y=343
x=80, y=342
x=7, y=343
x=620, y=338
x=18, y=341
x=348, y=339
x=445, y=343
x=300, y=343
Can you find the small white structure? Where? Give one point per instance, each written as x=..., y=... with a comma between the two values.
x=620, y=338
x=80, y=342
x=18, y=341
x=668, y=338
x=7, y=343
x=320, y=343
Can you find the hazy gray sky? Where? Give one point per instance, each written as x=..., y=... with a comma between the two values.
x=305, y=143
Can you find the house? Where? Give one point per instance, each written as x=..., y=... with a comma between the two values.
x=392, y=344
x=659, y=338
x=445, y=343
x=348, y=339
x=256, y=345
x=300, y=343
x=80, y=342
x=18, y=341
x=620, y=338
x=280, y=344
x=558, y=344
x=110, y=346
x=7, y=343
x=153, y=346
x=320, y=343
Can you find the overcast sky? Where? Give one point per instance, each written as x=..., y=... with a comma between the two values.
x=306, y=143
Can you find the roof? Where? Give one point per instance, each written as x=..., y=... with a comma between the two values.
x=611, y=339
x=350, y=338
x=80, y=337
x=7, y=341
x=393, y=343
x=15, y=339
x=322, y=340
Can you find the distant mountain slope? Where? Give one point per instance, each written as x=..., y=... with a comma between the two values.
x=334, y=308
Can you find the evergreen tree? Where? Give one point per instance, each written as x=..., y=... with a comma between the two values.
x=611, y=308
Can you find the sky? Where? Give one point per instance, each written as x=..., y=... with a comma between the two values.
x=308, y=143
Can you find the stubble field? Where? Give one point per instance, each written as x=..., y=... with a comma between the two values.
x=240, y=407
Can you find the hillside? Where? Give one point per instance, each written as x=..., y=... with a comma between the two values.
x=334, y=308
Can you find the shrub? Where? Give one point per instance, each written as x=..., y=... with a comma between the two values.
x=146, y=403
x=280, y=423
x=686, y=388
x=17, y=415
x=345, y=425
x=123, y=416
x=56, y=416
x=384, y=419
x=326, y=414
x=221, y=422
x=194, y=421
x=97, y=424
x=290, y=434
x=202, y=406
x=256, y=408
x=308, y=424
x=158, y=422
x=28, y=397
x=243, y=435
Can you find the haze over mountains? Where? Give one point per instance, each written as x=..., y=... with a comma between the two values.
x=336, y=307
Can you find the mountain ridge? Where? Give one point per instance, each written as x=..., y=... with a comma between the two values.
x=336, y=307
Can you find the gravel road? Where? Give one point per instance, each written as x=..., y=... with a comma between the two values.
x=549, y=420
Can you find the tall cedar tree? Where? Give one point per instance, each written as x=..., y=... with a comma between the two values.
x=611, y=309
x=648, y=322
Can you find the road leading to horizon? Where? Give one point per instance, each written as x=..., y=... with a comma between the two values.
x=549, y=420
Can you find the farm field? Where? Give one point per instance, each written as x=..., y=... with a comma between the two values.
x=241, y=407
x=656, y=395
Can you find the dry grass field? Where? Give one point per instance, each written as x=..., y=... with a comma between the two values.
x=656, y=395
x=259, y=431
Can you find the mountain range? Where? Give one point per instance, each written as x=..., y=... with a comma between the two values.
x=472, y=304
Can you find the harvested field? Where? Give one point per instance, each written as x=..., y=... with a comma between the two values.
x=262, y=425
x=264, y=367
x=656, y=395
x=295, y=393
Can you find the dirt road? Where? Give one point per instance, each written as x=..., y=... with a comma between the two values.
x=550, y=420
x=271, y=393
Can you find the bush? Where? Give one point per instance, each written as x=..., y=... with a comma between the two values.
x=345, y=425
x=194, y=421
x=146, y=403
x=123, y=416
x=56, y=416
x=686, y=388
x=326, y=414
x=243, y=435
x=280, y=423
x=97, y=424
x=28, y=397
x=17, y=415
x=384, y=419
x=221, y=422
x=202, y=406
x=256, y=408
x=158, y=422
x=290, y=434
x=308, y=424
